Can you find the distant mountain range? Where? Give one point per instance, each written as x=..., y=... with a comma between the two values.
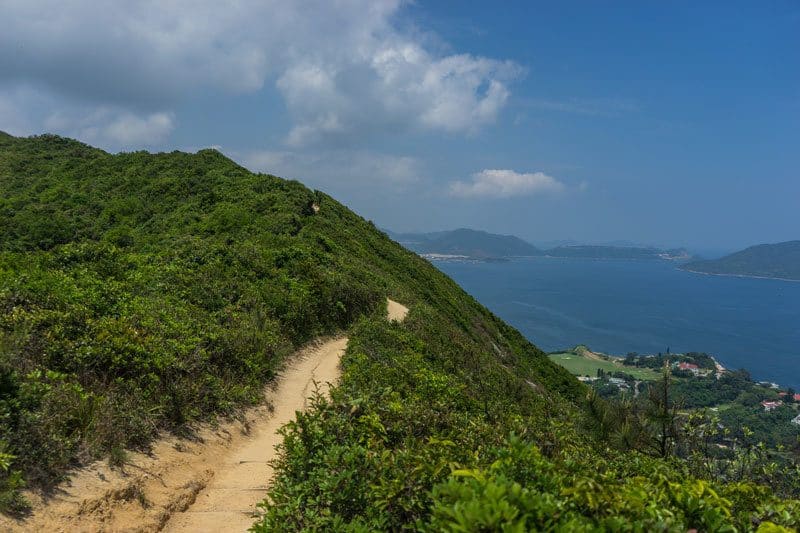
x=780, y=260
x=477, y=244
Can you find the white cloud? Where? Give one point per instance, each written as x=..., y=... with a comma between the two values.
x=397, y=85
x=141, y=50
x=494, y=183
x=26, y=110
x=14, y=116
x=343, y=68
x=112, y=128
x=337, y=168
x=128, y=129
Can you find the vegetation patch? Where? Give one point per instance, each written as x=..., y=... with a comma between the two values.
x=579, y=363
x=140, y=292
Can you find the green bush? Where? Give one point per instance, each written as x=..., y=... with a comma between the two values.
x=141, y=292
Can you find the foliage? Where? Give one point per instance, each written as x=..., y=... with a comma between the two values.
x=411, y=440
x=732, y=393
x=11, y=501
x=701, y=359
x=142, y=292
x=654, y=423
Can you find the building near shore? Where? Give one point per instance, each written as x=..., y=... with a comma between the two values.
x=769, y=405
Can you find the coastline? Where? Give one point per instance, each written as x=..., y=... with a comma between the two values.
x=505, y=258
x=719, y=366
x=737, y=275
x=682, y=316
x=719, y=369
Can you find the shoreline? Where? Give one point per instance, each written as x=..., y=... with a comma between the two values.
x=507, y=258
x=719, y=366
x=737, y=275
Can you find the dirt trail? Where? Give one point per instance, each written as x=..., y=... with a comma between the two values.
x=228, y=503
x=211, y=482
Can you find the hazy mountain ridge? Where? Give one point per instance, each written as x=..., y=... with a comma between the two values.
x=478, y=244
x=781, y=260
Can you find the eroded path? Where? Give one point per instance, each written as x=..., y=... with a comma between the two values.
x=240, y=481
x=210, y=483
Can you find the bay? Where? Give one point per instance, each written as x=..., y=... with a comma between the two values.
x=643, y=306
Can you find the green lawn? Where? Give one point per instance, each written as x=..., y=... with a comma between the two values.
x=582, y=366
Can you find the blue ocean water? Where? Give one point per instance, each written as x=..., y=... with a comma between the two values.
x=644, y=306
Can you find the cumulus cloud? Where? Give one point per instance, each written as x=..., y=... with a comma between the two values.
x=112, y=127
x=337, y=167
x=398, y=85
x=344, y=69
x=15, y=111
x=28, y=110
x=139, y=51
x=496, y=183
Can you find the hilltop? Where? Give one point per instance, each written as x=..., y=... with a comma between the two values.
x=780, y=260
x=144, y=292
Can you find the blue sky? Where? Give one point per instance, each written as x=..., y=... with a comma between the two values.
x=672, y=123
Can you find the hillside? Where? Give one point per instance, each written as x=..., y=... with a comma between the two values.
x=467, y=242
x=780, y=260
x=141, y=292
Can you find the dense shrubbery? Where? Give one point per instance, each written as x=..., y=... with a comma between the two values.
x=141, y=292
x=707, y=391
x=430, y=431
x=701, y=359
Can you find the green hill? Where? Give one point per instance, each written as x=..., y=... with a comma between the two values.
x=143, y=291
x=780, y=260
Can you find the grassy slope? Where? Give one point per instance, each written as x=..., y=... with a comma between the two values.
x=579, y=365
x=142, y=291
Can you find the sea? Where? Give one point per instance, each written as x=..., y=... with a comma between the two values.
x=617, y=306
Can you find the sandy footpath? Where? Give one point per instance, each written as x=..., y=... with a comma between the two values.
x=211, y=482
x=228, y=502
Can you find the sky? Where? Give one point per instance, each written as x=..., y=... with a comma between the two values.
x=668, y=123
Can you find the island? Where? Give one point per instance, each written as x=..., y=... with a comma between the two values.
x=778, y=261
